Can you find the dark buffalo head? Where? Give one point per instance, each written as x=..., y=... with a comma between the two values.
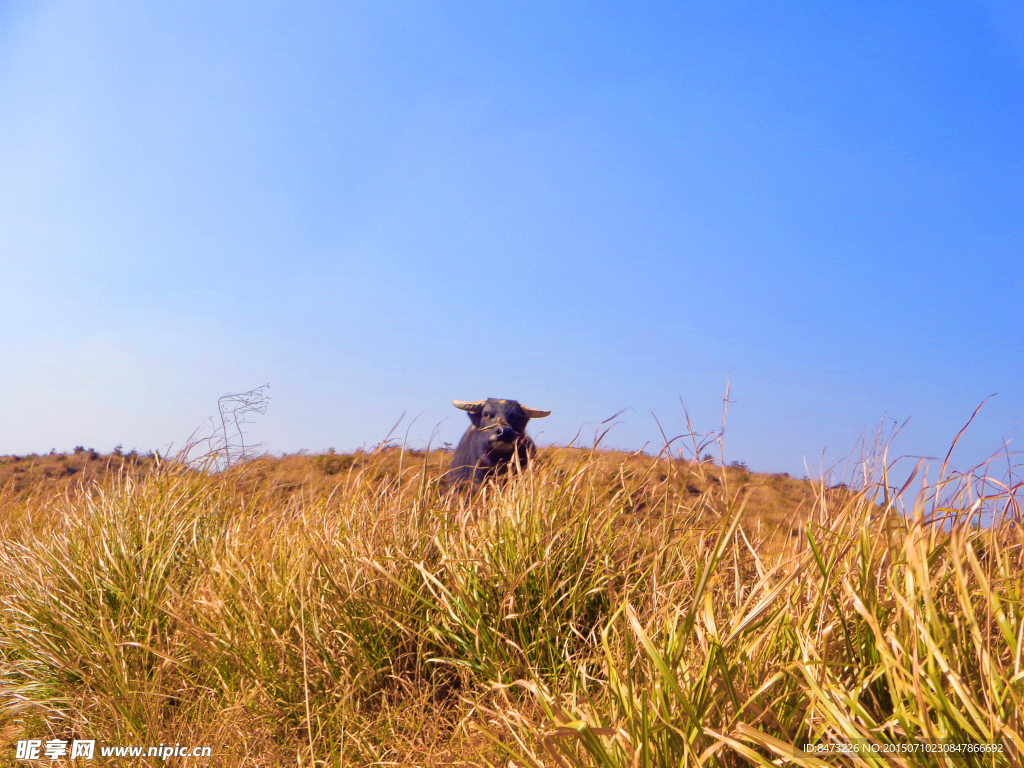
x=495, y=439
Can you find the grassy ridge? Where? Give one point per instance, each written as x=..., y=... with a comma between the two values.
x=604, y=609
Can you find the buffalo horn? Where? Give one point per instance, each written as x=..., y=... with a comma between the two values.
x=533, y=413
x=471, y=407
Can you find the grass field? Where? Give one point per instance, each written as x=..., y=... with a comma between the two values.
x=604, y=609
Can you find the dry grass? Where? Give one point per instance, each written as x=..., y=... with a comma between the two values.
x=602, y=610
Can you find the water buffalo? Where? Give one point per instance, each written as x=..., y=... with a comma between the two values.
x=497, y=434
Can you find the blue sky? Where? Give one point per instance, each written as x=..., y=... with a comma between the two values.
x=589, y=207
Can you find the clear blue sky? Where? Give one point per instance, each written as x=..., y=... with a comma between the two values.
x=378, y=207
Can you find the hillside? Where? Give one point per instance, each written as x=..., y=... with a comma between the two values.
x=56, y=473
x=604, y=609
x=775, y=499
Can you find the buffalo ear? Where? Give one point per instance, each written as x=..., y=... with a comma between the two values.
x=533, y=413
x=475, y=407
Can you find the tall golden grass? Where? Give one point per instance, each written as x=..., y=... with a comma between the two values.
x=599, y=610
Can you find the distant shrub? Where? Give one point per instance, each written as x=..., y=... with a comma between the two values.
x=739, y=465
x=331, y=463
